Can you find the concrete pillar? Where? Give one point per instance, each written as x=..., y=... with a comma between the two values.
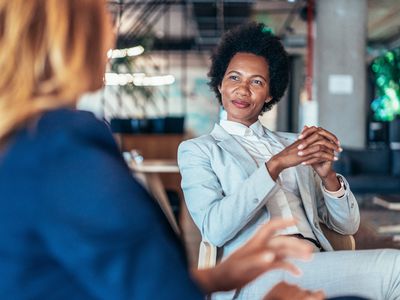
x=288, y=107
x=340, y=70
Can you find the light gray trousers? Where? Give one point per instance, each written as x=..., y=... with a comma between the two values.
x=372, y=274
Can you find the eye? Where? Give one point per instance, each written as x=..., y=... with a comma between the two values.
x=257, y=82
x=234, y=77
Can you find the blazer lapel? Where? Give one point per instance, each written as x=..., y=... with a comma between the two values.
x=282, y=141
x=235, y=149
x=307, y=190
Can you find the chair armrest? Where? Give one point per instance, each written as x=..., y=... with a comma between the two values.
x=337, y=240
x=207, y=255
x=208, y=252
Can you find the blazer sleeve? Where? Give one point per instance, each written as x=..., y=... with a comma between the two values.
x=220, y=216
x=102, y=227
x=339, y=214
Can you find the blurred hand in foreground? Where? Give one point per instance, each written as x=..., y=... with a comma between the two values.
x=263, y=252
x=285, y=291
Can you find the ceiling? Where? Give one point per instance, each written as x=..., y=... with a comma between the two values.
x=198, y=24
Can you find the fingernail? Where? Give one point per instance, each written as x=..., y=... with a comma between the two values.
x=269, y=257
x=340, y=149
x=300, y=153
x=303, y=163
x=335, y=158
x=298, y=273
x=300, y=137
x=301, y=146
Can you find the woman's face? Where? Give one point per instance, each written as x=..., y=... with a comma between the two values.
x=245, y=87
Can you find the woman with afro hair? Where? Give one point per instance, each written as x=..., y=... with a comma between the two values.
x=242, y=175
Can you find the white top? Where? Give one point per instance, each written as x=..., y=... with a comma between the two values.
x=286, y=203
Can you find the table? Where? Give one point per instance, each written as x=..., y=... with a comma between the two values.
x=148, y=173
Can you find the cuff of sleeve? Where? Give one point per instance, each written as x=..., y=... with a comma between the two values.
x=340, y=192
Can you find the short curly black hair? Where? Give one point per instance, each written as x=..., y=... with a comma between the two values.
x=257, y=39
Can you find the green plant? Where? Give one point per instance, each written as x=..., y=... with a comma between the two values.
x=386, y=68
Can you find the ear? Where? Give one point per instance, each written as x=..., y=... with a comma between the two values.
x=268, y=99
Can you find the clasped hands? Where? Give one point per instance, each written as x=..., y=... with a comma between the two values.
x=315, y=147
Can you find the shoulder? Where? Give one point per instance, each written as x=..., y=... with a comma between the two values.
x=72, y=122
x=60, y=137
x=198, y=149
x=66, y=129
x=202, y=142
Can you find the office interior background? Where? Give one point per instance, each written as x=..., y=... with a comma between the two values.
x=345, y=76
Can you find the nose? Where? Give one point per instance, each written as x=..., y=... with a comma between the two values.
x=243, y=89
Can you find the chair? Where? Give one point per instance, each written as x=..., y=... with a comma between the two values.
x=208, y=252
x=337, y=240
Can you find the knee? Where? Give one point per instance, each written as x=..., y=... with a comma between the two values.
x=391, y=257
x=394, y=253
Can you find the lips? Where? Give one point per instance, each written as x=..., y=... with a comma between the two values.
x=240, y=103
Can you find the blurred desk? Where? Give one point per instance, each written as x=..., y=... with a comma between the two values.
x=148, y=172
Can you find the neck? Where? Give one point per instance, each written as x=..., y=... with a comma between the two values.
x=243, y=122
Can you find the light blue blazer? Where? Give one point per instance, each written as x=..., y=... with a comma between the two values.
x=226, y=192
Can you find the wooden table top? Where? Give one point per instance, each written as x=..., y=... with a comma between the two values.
x=155, y=166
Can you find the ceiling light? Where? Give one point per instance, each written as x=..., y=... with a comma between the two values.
x=138, y=79
x=120, y=53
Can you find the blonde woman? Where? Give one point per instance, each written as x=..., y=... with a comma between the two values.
x=74, y=224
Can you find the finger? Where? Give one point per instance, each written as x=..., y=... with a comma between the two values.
x=284, y=246
x=305, y=127
x=320, y=159
x=287, y=266
x=308, y=295
x=257, y=263
x=322, y=132
x=269, y=229
x=329, y=135
x=319, y=295
x=307, y=131
x=317, y=148
x=309, y=140
x=327, y=144
x=316, y=139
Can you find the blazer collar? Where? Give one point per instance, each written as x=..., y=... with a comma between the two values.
x=234, y=148
x=220, y=134
x=228, y=143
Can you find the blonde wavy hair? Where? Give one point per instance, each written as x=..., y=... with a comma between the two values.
x=52, y=51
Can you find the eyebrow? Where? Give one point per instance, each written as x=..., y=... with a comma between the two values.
x=233, y=71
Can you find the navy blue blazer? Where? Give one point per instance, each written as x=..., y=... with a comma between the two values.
x=74, y=224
